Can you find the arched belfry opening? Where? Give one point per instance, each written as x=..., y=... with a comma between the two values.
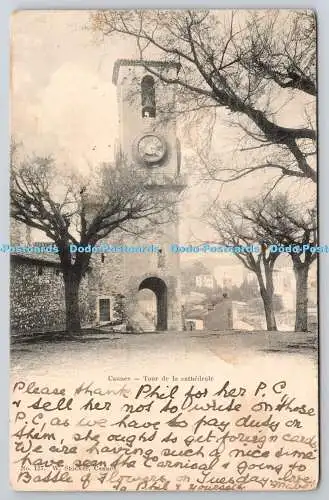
x=159, y=288
x=148, y=97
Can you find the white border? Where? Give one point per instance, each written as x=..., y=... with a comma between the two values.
x=322, y=8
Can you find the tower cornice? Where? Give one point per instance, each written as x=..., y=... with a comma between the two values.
x=141, y=62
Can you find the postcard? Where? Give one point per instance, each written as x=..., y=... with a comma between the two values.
x=163, y=250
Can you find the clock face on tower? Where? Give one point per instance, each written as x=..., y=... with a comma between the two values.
x=151, y=148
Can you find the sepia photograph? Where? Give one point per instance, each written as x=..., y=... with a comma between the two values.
x=164, y=250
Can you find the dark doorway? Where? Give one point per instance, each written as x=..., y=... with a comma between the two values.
x=159, y=287
x=104, y=310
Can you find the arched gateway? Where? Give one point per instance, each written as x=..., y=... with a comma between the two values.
x=159, y=288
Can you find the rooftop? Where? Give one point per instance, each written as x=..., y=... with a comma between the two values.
x=45, y=259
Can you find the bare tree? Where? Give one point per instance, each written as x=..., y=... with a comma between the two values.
x=291, y=225
x=291, y=62
x=250, y=64
x=72, y=210
x=233, y=225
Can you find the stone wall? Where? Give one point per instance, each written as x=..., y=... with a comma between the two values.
x=37, y=300
x=37, y=296
x=106, y=279
x=119, y=275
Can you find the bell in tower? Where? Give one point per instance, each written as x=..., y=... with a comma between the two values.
x=148, y=97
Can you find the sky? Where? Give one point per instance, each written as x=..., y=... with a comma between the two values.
x=63, y=100
x=63, y=103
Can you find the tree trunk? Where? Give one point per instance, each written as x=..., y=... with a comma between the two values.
x=267, y=291
x=72, y=284
x=269, y=311
x=301, y=274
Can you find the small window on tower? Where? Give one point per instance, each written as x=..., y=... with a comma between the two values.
x=161, y=258
x=148, y=97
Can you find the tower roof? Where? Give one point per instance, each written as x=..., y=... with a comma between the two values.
x=139, y=62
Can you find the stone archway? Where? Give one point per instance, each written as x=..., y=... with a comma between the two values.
x=159, y=288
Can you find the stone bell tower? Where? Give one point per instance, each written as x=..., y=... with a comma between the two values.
x=148, y=139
